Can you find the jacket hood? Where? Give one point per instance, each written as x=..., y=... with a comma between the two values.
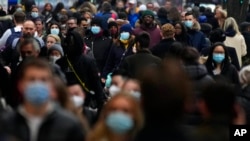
x=230, y=32
x=196, y=26
x=195, y=72
x=246, y=92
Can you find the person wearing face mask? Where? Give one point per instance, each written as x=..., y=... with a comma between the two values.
x=143, y=58
x=30, y=120
x=120, y=120
x=118, y=79
x=120, y=49
x=99, y=42
x=78, y=97
x=34, y=14
x=55, y=52
x=132, y=86
x=196, y=37
x=50, y=40
x=218, y=64
x=148, y=25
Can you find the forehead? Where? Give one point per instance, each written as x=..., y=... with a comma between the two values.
x=189, y=17
x=27, y=47
x=219, y=48
x=35, y=71
x=51, y=38
x=35, y=9
x=28, y=24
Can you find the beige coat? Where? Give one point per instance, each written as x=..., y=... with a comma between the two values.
x=237, y=42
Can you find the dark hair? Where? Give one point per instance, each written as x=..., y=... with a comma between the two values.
x=122, y=15
x=46, y=4
x=19, y=17
x=216, y=94
x=210, y=64
x=162, y=12
x=34, y=62
x=73, y=18
x=38, y=19
x=183, y=37
x=190, y=56
x=176, y=50
x=189, y=13
x=106, y=7
x=58, y=7
x=144, y=39
x=217, y=35
x=120, y=72
x=165, y=83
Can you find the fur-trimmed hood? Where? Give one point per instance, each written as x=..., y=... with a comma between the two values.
x=196, y=26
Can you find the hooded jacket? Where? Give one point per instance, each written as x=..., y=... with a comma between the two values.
x=196, y=37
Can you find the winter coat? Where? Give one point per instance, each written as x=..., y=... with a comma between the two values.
x=162, y=48
x=232, y=54
x=100, y=47
x=87, y=71
x=154, y=32
x=58, y=125
x=115, y=58
x=246, y=36
x=197, y=38
x=136, y=63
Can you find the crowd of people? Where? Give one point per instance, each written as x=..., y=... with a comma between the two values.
x=122, y=71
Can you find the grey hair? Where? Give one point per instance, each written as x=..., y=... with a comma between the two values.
x=32, y=41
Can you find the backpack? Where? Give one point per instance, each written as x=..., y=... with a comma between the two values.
x=12, y=37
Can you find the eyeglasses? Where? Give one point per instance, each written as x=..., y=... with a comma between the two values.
x=148, y=17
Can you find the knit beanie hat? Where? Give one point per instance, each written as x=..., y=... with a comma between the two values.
x=126, y=28
x=56, y=47
x=147, y=13
x=112, y=24
x=96, y=21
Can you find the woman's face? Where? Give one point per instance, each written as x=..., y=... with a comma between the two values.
x=218, y=14
x=54, y=26
x=219, y=50
x=48, y=7
x=50, y=41
x=178, y=29
x=35, y=10
x=131, y=86
x=121, y=105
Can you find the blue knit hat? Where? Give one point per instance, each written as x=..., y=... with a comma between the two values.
x=126, y=28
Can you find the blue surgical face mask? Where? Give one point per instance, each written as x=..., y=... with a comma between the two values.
x=218, y=57
x=108, y=80
x=119, y=122
x=54, y=31
x=34, y=14
x=95, y=29
x=189, y=24
x=124, y=36
x=37, y=93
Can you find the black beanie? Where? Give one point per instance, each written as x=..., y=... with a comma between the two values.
x=96, y=21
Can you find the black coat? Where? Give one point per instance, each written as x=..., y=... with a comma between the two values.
x=100, y=47
x=162, y=48
x=86, y=69
x=232, y=54
x=247, y=40
x=115, y=58
x=58, y=125
x=136, y=63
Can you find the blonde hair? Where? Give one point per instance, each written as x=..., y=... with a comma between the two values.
x=101, y=131
x=57, y=38
x=230, y=22
x=223, y=12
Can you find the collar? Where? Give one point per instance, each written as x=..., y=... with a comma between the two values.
x=144, y=51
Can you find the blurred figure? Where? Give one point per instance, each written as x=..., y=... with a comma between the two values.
x=114, y=31
x=55, y=52
x=40, y=28
x=162, y=48
x=181, y=34
x=118, y=79
x=162, y=16
x=218, y=64
x=143, y=58
x=234, y=38
x=196, y=37
x=220, y=16
x=120, y=120
x=35, y=14
x=218, y=116
x=30, y=121
x=133, y=87
x=120, y=7
x=50, y=40
x=243, y=98
x=120, y=50
x=47, y=12
x=98, y=42
x=148, y=25
x=168, y=5
x=245, y=31
x=74, y=65
x=174, y=15
x=132, y=12
x=72, y=23
x=78, y=96
x=160, y=88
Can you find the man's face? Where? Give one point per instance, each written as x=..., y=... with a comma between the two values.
x=168, y=5
x=118, y=81
x=29, y=29
x=71, y=23
x=28, y=51
x=39, y=25
x=189, y=18
x=150, y=6
x=148, y=20
x=84, y=24
x=34, y=74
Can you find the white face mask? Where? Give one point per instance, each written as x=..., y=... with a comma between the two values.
x=78, y=101
x=53, y=59
x=136, y=94
x=88, y=21
x=113, y=90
